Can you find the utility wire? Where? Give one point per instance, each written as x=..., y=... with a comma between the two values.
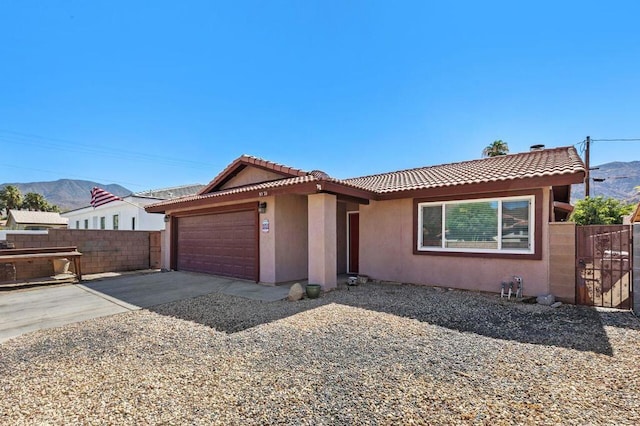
x=616, y=140
x=55, y=143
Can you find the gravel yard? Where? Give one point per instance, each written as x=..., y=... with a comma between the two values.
x=374, y=354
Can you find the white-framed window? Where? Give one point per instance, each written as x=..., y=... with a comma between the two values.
x=103, y=222
x=133, y=223
x=77, y=224
x=489, y=225
x=86, y=224
x=116, y=221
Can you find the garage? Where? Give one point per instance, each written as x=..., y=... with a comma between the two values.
x=220, y=244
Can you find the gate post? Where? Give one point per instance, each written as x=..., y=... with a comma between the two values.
x=636, y=268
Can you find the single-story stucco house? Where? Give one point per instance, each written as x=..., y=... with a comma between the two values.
x=34, y=220
x=463, y=225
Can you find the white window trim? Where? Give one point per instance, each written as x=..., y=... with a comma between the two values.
x=532, y=233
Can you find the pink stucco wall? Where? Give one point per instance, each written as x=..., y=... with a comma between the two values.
x=291, y=237
x=267, y=243
x=322, y=217
x=341, y=238
x=386, y=253
x=251, y=175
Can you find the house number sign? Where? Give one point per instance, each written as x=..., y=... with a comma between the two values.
x=265, y=225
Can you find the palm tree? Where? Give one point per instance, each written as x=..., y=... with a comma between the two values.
x=10, y=198
x=36, y=202
x=496, y=148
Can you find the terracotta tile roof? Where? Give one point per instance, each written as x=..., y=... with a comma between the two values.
x=249, y=160
x=548, y=162
x=541, y=163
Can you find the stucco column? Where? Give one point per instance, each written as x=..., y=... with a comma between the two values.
x=636, y=268
x=322, y=240
x=165, y=247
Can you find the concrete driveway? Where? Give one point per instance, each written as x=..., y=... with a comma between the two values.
x=22, y=311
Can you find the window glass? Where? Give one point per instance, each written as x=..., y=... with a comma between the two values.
x=133, y=223
x=515, y=224
x=432, y=226
x=103, y=221
x=116, y=221
x=471, y=225
x=500, y=224
x=77, y=224
x=86, y=224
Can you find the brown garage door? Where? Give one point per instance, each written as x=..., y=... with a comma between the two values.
x=220, y=244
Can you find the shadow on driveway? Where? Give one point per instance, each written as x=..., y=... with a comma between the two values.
x=576, y=327
x=146, y=290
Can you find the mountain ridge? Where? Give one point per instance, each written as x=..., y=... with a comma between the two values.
x=620, y=180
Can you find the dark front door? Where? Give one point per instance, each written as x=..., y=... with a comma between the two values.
x=354, y=242
x=219, y=244
x=603, y=266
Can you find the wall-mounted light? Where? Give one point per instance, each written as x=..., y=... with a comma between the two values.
x=262, y=207
x=167, y=218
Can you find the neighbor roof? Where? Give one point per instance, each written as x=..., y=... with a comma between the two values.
x=170, y=193
x=547, y=163
x=44, y=218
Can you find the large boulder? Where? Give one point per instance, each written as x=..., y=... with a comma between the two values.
x=295, y=293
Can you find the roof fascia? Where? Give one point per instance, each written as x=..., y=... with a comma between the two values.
x=304, y=188
x=301, y=188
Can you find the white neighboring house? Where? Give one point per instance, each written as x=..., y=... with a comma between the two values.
x=128, y=215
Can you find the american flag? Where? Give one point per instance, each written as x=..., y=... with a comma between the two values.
x=99, y=197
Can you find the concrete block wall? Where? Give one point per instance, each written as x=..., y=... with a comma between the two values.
x=103, y=250
x=155, y=250
x=562, y=261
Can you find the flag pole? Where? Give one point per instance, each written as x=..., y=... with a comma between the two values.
x=128, y=202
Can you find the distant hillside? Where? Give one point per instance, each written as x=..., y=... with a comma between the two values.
x=68, y=194
x=620, y=179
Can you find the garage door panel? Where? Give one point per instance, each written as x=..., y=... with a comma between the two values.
x=221, y=244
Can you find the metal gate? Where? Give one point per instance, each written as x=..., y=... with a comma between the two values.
x=603, y=266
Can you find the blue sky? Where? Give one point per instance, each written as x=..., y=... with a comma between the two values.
x=158, y=94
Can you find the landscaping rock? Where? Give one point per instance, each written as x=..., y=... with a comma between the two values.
x=546, y=300
x=373, y=355
x=556, y=304
x=295, y=293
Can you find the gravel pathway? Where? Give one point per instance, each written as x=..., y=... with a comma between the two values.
x=375, y=354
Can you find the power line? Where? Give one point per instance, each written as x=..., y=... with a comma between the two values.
x=67, y=145
x=616, y=140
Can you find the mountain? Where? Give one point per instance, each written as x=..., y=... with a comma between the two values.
x=68, y=194
x=620, y=180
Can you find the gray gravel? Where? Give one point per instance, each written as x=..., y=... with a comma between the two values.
x=374, y=354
